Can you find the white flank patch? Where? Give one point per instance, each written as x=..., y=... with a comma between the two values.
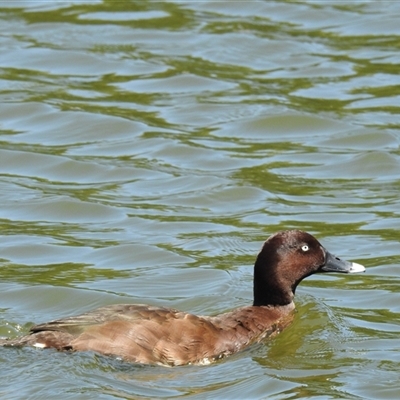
x=39, y=345
x=205, y=361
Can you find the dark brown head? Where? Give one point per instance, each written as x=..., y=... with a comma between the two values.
x=286, y=258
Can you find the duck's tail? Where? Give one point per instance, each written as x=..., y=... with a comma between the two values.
x=40, y=340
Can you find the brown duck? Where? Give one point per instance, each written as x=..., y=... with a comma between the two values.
x=157, y=335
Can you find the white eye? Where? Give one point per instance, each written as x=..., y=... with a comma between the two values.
x=304, y=247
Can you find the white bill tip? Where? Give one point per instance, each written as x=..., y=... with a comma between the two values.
x=356, y=268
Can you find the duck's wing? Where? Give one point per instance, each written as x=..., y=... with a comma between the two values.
x=133, y=313
x=140, y=333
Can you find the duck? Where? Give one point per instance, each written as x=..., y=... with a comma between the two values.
x=148, y=334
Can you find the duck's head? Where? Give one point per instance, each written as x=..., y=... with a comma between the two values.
x=286, y=258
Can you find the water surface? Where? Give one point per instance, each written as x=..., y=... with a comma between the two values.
x=148, y=149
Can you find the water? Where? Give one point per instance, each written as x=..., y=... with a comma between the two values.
x=146, y=151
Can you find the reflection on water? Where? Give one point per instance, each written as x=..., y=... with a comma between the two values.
x=147, y=150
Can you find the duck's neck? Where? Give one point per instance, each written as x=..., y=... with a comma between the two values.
x=270, y=288
x=272, y=298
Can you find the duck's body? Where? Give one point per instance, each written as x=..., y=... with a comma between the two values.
x=156, y=335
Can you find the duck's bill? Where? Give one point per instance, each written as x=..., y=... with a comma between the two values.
x=336, y=264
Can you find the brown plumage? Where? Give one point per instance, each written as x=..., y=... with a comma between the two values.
x=156, y=335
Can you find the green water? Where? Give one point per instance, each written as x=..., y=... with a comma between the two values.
x=147, y=149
